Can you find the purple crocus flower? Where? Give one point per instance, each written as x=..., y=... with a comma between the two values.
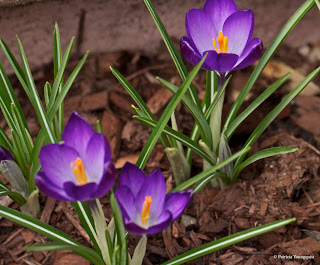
x=145, y=207
x=80, y=169
x=224, y=33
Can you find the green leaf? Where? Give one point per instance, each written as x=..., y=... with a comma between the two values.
x=195, y=131
x=137, y=99
x=195, y=111
x=22, y=132
x=146, y=151
x=82, y=251
x=209, y=172
x=226, y=241
x=185, y=140
x=139, y=251
x=7, y=94
x=5, y=191
x=47, y=92
x=18, y=151
x=120, y=230
x=211, y=88
x=66, y=87
x=275, y=112
x=318, y=4
x=202, y=183
x=5, y=141
x=36, y=225
x=283, y=33
x=59, y=74
x=272, y=151
x=34, y=96
x=173, y=51
x=84, y=214
x=256, y=103
x=57, y=58
x=15, y=66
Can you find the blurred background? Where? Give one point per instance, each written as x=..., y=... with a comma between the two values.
x=114, y=25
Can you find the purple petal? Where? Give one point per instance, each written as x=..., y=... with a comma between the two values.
x=50, y=189
x=155, y=187
x=251, y=53
x=107, y=180
x=5, y=154
x=176, y=202
x=80, y=192
x=56, y=162
x=200, y=30
x=163, y=223
x=97, y=154
x=126, y=203
x=239, y=29
x=220, y=62
x=132, y=177
x=219, y=11
x=189, y=51
x=77, y=133
x=133, y=228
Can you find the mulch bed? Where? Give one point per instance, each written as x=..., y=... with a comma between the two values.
x=268, y=190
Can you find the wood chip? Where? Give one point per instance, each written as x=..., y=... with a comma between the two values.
x=67, y=258
x=276, y=69
x=159, y=100
x=47, y=210
x=122, y=160
x=94, y=101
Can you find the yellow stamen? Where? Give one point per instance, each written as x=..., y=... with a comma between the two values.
x=223, y=43
x=146, y=210
x=215, y=45
x=79, y=171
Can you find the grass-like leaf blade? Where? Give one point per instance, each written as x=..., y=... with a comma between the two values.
x=226, y=241
x=211, y=171
x=173, y=51
x=195, y=111
x=272, y=151
x=36, y=225
x=256, y=103
x=82, y=251
x=275, y=112
x=295, y=18
x=34, y=96
x=153, y=138
x=137, y=99
x=185, y=140
x=84, y=214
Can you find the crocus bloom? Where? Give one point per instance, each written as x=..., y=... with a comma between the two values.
x=224, y=33
x=145, y=207
x=80, y=169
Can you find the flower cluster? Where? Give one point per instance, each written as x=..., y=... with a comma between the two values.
x=81, y=169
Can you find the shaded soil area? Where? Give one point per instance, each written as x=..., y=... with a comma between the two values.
x=268, y=190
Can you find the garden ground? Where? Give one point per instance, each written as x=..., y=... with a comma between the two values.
x=268, y=190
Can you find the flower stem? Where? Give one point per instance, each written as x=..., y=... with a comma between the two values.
x=215, y=125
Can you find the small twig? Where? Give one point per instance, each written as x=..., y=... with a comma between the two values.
x=75, y=222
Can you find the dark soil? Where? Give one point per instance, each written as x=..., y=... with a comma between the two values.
x=268, y=190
